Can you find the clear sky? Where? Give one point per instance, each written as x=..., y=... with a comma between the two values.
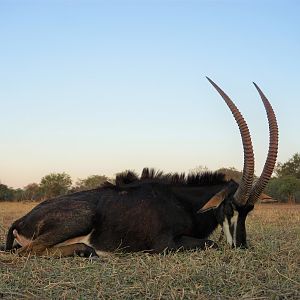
x=97, y=87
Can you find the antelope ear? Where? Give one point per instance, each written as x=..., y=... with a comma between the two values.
x=215, y=201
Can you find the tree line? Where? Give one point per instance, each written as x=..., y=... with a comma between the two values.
x=52, y=185
x=284, y=186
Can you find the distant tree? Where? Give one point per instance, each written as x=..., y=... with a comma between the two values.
x=32, y=191
x=231, y=173
x=272, y=189
x=55, y=184
x=18, y=195
x=284, y=188
x=199, y=169
x=90, y=182
x=6, y=193
x=288, y=187
x=289, y=168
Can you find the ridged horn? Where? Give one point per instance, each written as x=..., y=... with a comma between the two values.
x=243, y=191
x=272, y=152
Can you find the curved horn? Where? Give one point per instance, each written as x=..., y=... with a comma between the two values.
x=242, y=193
x=272, y=153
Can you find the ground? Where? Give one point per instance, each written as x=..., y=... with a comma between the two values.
x=268, y=270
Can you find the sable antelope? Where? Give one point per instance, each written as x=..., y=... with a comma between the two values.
x=151, y=213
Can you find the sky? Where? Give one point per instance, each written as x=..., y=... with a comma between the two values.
x=98, y=87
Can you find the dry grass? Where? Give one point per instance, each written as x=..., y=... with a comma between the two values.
x=268, y=270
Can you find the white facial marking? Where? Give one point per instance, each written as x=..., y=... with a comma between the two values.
x=234, y=222
x=227, y=231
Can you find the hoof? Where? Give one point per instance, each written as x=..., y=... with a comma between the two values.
x=211, y=245
x=87, y=251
